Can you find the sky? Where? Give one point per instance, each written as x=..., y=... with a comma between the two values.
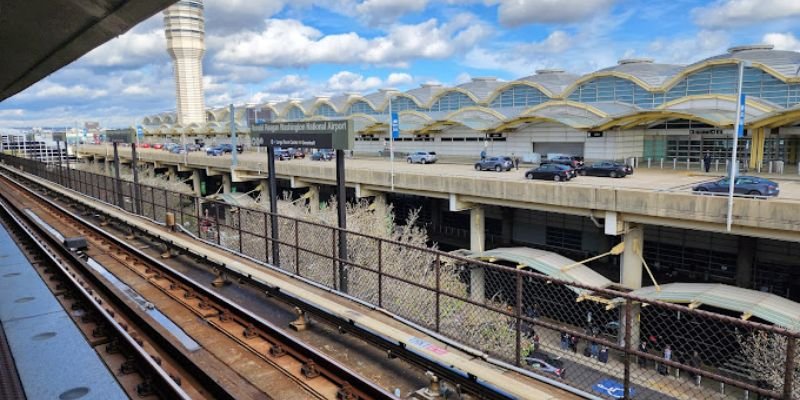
x=273, y=50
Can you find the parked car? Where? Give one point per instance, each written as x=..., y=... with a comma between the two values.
x=144, y=145
x=179, y=149
x=544, y=362
x=750, y=185
x=296, y=153
x=574, y=161
x=323, y=155
x=283, y=154
x=422, y=157
x=228, y=148
x=607, y=168
x=552, y=172
x=495, y=163
x=158, y=146
x=214, y=151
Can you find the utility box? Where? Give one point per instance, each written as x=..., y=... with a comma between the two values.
x=76, y=243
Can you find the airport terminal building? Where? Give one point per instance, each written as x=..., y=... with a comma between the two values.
x=637, y=108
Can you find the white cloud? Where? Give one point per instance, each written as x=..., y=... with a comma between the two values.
x=782, y=41
x=521, y=12
x=462, y=78
x=555, y=42
x=727, y=13
x=14, y=112
x=346, y=81
x=399, y=78
x=684, y=50
x=381, y=11
x=132, y=49
x=288, y=43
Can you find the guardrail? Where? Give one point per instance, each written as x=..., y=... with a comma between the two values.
x=597, y=340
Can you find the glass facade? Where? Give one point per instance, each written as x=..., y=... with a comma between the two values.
x=614, y=89
x=325, y=110
x=361, y=107
x=519, y=96
x=403, y=103
x=295, y=113
x=452, y=101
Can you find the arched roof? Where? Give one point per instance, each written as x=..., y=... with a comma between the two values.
x=644, y=70
x=425, y=93
x=551, y=82
x=749, y=303
x=783, y=62
x=481, y=89
x=544, y=262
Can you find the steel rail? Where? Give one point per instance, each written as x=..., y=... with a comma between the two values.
x=351, y=384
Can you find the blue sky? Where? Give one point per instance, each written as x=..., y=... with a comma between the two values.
x=271, y=50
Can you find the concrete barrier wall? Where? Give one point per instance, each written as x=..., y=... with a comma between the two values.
x=755, y=214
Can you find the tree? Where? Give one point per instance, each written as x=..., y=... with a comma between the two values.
x=765, y=352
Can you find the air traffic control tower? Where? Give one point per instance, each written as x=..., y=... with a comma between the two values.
x=185, y=29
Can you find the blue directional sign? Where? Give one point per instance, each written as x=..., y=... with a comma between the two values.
x=139, y=132
x=395, y=126
x=740, y=133
x=610, y=387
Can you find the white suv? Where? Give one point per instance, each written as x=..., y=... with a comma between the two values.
x=422, y=157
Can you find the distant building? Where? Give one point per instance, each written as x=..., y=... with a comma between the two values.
x=184, y=27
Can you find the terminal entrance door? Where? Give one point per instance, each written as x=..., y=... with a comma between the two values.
x=545, y=148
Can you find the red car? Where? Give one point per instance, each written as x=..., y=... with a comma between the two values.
x=158, y=146
x=144, y=145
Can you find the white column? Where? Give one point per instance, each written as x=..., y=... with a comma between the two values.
x=477, y=239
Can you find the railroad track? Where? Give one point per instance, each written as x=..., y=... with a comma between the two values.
x=219, y=350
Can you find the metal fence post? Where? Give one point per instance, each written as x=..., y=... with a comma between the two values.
x=266, y=239
x=438, y=290
x=240, y=226
x=297, y=246
x=518, y=312
x=788, y=378
x=216, y=218
x=628, y=348
x=333, y=257
x=380, y=273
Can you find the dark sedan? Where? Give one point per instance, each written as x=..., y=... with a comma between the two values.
x=750, y=185
x=612, y=169
x=323, y=155
x=495, y=163
x=551, y=172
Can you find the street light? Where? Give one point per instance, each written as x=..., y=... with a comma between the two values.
x=392, y=125
x=738, y=130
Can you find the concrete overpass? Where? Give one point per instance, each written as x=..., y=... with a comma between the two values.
x=619, y=202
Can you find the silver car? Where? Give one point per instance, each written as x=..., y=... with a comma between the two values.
x=422, y=157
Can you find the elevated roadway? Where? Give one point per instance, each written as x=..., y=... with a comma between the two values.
x=655, y=197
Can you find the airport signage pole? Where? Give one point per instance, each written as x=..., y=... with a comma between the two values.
x=234, y=154
x=336, y=134
x=116, y=137
x=394, y=132
x=738, y=132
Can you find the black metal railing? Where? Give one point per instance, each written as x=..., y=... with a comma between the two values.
x=598, y=340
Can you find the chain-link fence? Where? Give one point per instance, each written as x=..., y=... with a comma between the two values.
x=602, y=341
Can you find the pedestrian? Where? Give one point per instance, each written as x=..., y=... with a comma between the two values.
x=663, y=368
x=603, y=355
x=516, y=160
x=535, y=342
x=643, y=349
x=573, y=343
x=595, y=349
x=483, y=155
x=707, y=161
x=695, y=362
x=205, y=223
x=564, y=340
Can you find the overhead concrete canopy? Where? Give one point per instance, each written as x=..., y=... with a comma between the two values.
x=38, y=37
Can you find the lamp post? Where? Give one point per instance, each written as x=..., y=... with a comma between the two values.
x=738, y=130
x=394, y=126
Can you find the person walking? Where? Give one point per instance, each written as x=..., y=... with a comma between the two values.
x=707, y=161
x=603, y=355
x=535, y=342
x=663, y=368
x=643, y=349
x=483, y=155
x=573, y=343
x=695, y=362
x=516, y=161
x=564, y=340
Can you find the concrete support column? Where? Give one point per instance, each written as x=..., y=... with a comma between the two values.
x=313, y=198
x=197, y=182
x=172, y=172
x=477, y=240
x=263, y=189
x=631, y=277
x=226, y=183
x=508, y=226
x=744, y=261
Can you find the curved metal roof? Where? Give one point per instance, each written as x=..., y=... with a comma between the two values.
x=766, y=306
x=544, y=262
x=644, y=69
x=426, y=92
x=482, y=88
x=554, y=80
x=787, y=63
